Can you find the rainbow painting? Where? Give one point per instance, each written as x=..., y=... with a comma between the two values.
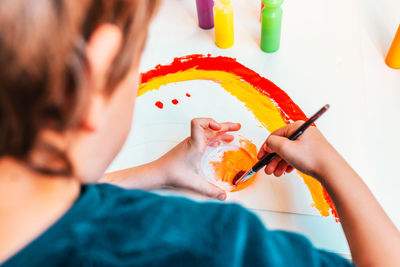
x=269, y=104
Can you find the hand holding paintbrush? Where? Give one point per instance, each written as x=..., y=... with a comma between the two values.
x=242, y=177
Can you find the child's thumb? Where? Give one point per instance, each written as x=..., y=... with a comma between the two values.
x=202, y=186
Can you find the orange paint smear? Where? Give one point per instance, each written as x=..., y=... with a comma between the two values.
x=234, y=161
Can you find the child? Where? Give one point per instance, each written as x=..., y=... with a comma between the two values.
x=68, y=81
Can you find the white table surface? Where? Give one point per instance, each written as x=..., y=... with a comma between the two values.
x=328, y=49
x=382, y=89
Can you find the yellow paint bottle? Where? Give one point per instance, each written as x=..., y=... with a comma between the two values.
x=393, y=56
x=223, y=23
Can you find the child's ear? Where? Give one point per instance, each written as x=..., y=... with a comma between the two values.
x=101, y=50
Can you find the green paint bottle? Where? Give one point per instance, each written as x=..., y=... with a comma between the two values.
x=271, y=20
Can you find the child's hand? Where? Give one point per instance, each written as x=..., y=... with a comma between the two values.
x=182, y=163
x=308, y=153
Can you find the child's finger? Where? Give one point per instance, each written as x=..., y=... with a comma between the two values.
x=229, y=126
x=289, y=169
x=213, y=125
x=263, y=151
x=280, y=169
x=270, y=168
x=227, y=138
x=199, y=125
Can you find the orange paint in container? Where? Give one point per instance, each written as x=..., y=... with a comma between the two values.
x=234, y=162
x=224, y=163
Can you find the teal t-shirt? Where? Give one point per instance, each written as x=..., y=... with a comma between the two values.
x=111, y=226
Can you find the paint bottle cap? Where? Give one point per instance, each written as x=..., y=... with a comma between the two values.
x=225, y=2
x=220, y=164
x=272, y=3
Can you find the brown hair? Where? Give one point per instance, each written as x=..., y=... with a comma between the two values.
x=43, y=65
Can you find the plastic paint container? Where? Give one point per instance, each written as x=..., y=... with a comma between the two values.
x=221, y=164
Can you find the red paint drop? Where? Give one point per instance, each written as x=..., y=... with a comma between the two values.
x=188, y=95
x=159, y=104
x=174, y=101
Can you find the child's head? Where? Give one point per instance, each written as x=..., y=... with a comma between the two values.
x=68, y=81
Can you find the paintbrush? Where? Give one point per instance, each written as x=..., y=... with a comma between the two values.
x=270, y=156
